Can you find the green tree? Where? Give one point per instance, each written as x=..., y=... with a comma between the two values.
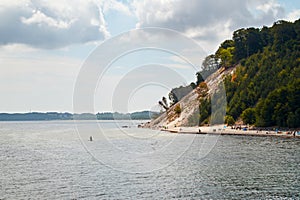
x=177, y=109
x=264, y=88
x=239, y=38
x=226, y=56
x=247, y=42
x=229, y=120
x=225, y=53
x=204, y=110
x=248, y=116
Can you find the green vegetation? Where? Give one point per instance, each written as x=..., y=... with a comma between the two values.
x=229, y=120
x=35, y=116
x=144, y=115
x=248, y=116
x=204, y=110
x=264, y=90
x=177, y=109
x=264, y=87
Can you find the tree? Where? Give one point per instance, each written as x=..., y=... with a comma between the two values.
x=202, y=89
x=177, y=109
x=226, y=56
x=164, y=100
x=225, y=53
x=293, y=120
x=204, y=110
x=248, y=116
x=210, y=64
x=164, y=103
x=239, y=38
x=227, y=44
x=254, y=41
x=283, y=32
x=229, y=120
x=264, y=89
x=247, y=42
x=200, y=78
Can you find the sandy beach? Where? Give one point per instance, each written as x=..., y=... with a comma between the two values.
x=224, y=130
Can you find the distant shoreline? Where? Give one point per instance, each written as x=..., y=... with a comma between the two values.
x=56, y=116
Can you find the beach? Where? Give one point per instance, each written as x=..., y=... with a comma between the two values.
x=227, y=130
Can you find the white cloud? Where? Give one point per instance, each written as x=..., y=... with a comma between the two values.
x=207, y=21
x=156, y=11
x=115, y=5
x=293, y=16
x=269, y=6
x=40, y=18
x=51, y=24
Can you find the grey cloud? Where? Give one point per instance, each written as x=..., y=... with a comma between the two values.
x=207, y=15
x=203, y=13
x=13, y=28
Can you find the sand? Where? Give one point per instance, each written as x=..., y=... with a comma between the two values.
x=223, y=130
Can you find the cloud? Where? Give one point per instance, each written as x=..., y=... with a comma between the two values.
x=293, y=16
x=207, y=21
x=51, y=24
x=117, y=6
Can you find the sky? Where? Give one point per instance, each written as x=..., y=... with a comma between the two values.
x=46, y=46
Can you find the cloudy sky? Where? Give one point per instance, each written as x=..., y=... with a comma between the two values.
x=44, y=44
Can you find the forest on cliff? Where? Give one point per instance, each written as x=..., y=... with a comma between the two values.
x=264, y=88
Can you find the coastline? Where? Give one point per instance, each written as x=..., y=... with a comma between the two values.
x=220, y=130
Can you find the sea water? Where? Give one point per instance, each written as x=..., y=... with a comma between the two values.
x=57, y=160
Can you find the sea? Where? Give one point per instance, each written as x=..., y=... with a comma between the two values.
x=118, y=160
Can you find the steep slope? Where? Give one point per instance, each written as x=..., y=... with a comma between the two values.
x=189, y=104
x=263, y=90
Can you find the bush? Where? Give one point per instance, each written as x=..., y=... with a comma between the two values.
x=229, y=120
x=177, y=109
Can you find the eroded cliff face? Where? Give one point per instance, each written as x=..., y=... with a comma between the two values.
x=189, y=105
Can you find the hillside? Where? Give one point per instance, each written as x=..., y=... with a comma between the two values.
x=261, y=72
x=189, y=105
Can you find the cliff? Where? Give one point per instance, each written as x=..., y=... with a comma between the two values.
x=189, y=105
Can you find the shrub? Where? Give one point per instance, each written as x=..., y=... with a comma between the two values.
x=177, y=109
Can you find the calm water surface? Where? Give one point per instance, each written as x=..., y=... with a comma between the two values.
x=50, y=160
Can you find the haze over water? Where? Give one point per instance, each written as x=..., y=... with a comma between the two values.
x=47, y=160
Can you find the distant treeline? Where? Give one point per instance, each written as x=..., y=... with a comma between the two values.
x=36, y=116
x=121, y=116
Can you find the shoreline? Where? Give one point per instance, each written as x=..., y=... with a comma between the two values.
x=217, y=130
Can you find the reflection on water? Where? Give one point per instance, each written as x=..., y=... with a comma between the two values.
x=48, y=160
